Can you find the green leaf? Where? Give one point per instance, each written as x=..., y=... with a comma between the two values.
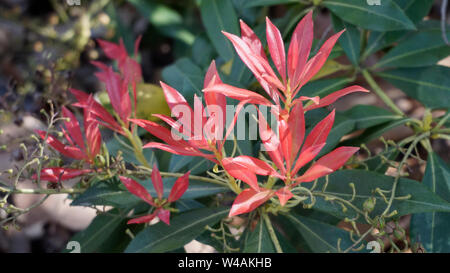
x=375, y=132
x=107, y=193
x=218, y=16
x=366, y=116
x=323, y=87
x=350, y=39
x=258, y=240
x=423, y=48
x=113, y=193
x=378, y=164
x=431, y=229
x=196, y=165
x=415, y=9
x=320, y=237
x=167, y=20
x=183, y=228
x=380, y=40
x=186, y=77
x=258, y=3
x=429, y=85
x=385, y=17
x=106, y=233
x=421, y=199
x=357, y=118
x=202, y=51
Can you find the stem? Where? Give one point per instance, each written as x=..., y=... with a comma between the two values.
x=195, y=177
x=272, y=234
x=397, y=178
x=359, y=240
x=137, y=147
x=442, y=121
x=376, y=88
x=40, y=191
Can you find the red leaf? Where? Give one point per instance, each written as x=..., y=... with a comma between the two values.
x=286, y=138
x=173, y=97
x=276, y=48
x=117, y=91
x=248, y=200
x=178, y=150
x=296, y=123
x=237, y=93
x=249, y=37
x=164, y=215
x=253, y=60
x=300, y=48
x=271, y=143
x=59, y=174
x=72, y=152
x=319, y=133
x=112, y=50
x=97, y=109
x=217, y=99
x=161, y=132
x=284, y=194
x=93, y=137
x=143, y=219
x=306, y=156
x=179, y=188
x=328, y=163
x=245, y=168
x=137, y=189
x=73, y=127
x=336, y=95
x=316, y=63
x=157, y=182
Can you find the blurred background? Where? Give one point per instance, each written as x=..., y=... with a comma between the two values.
x=46, y=47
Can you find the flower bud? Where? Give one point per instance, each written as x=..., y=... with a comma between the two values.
x=369, y=204
x=427, y=119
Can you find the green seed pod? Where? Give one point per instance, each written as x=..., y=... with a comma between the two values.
x=369, y=204
x=100, y=160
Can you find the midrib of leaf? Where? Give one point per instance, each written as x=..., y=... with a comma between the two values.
x=414, y=81
x=198, y=164
x=222, y=25
x=330, y=86
x=366, y=10
x=101, y=230
x=187, y=78
x=352, y=48
x=409, y=53
x=374, y=44
x=106, y=194
x=376, y=117
x=196, y=189
x=312, y=232
x=180, y=230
